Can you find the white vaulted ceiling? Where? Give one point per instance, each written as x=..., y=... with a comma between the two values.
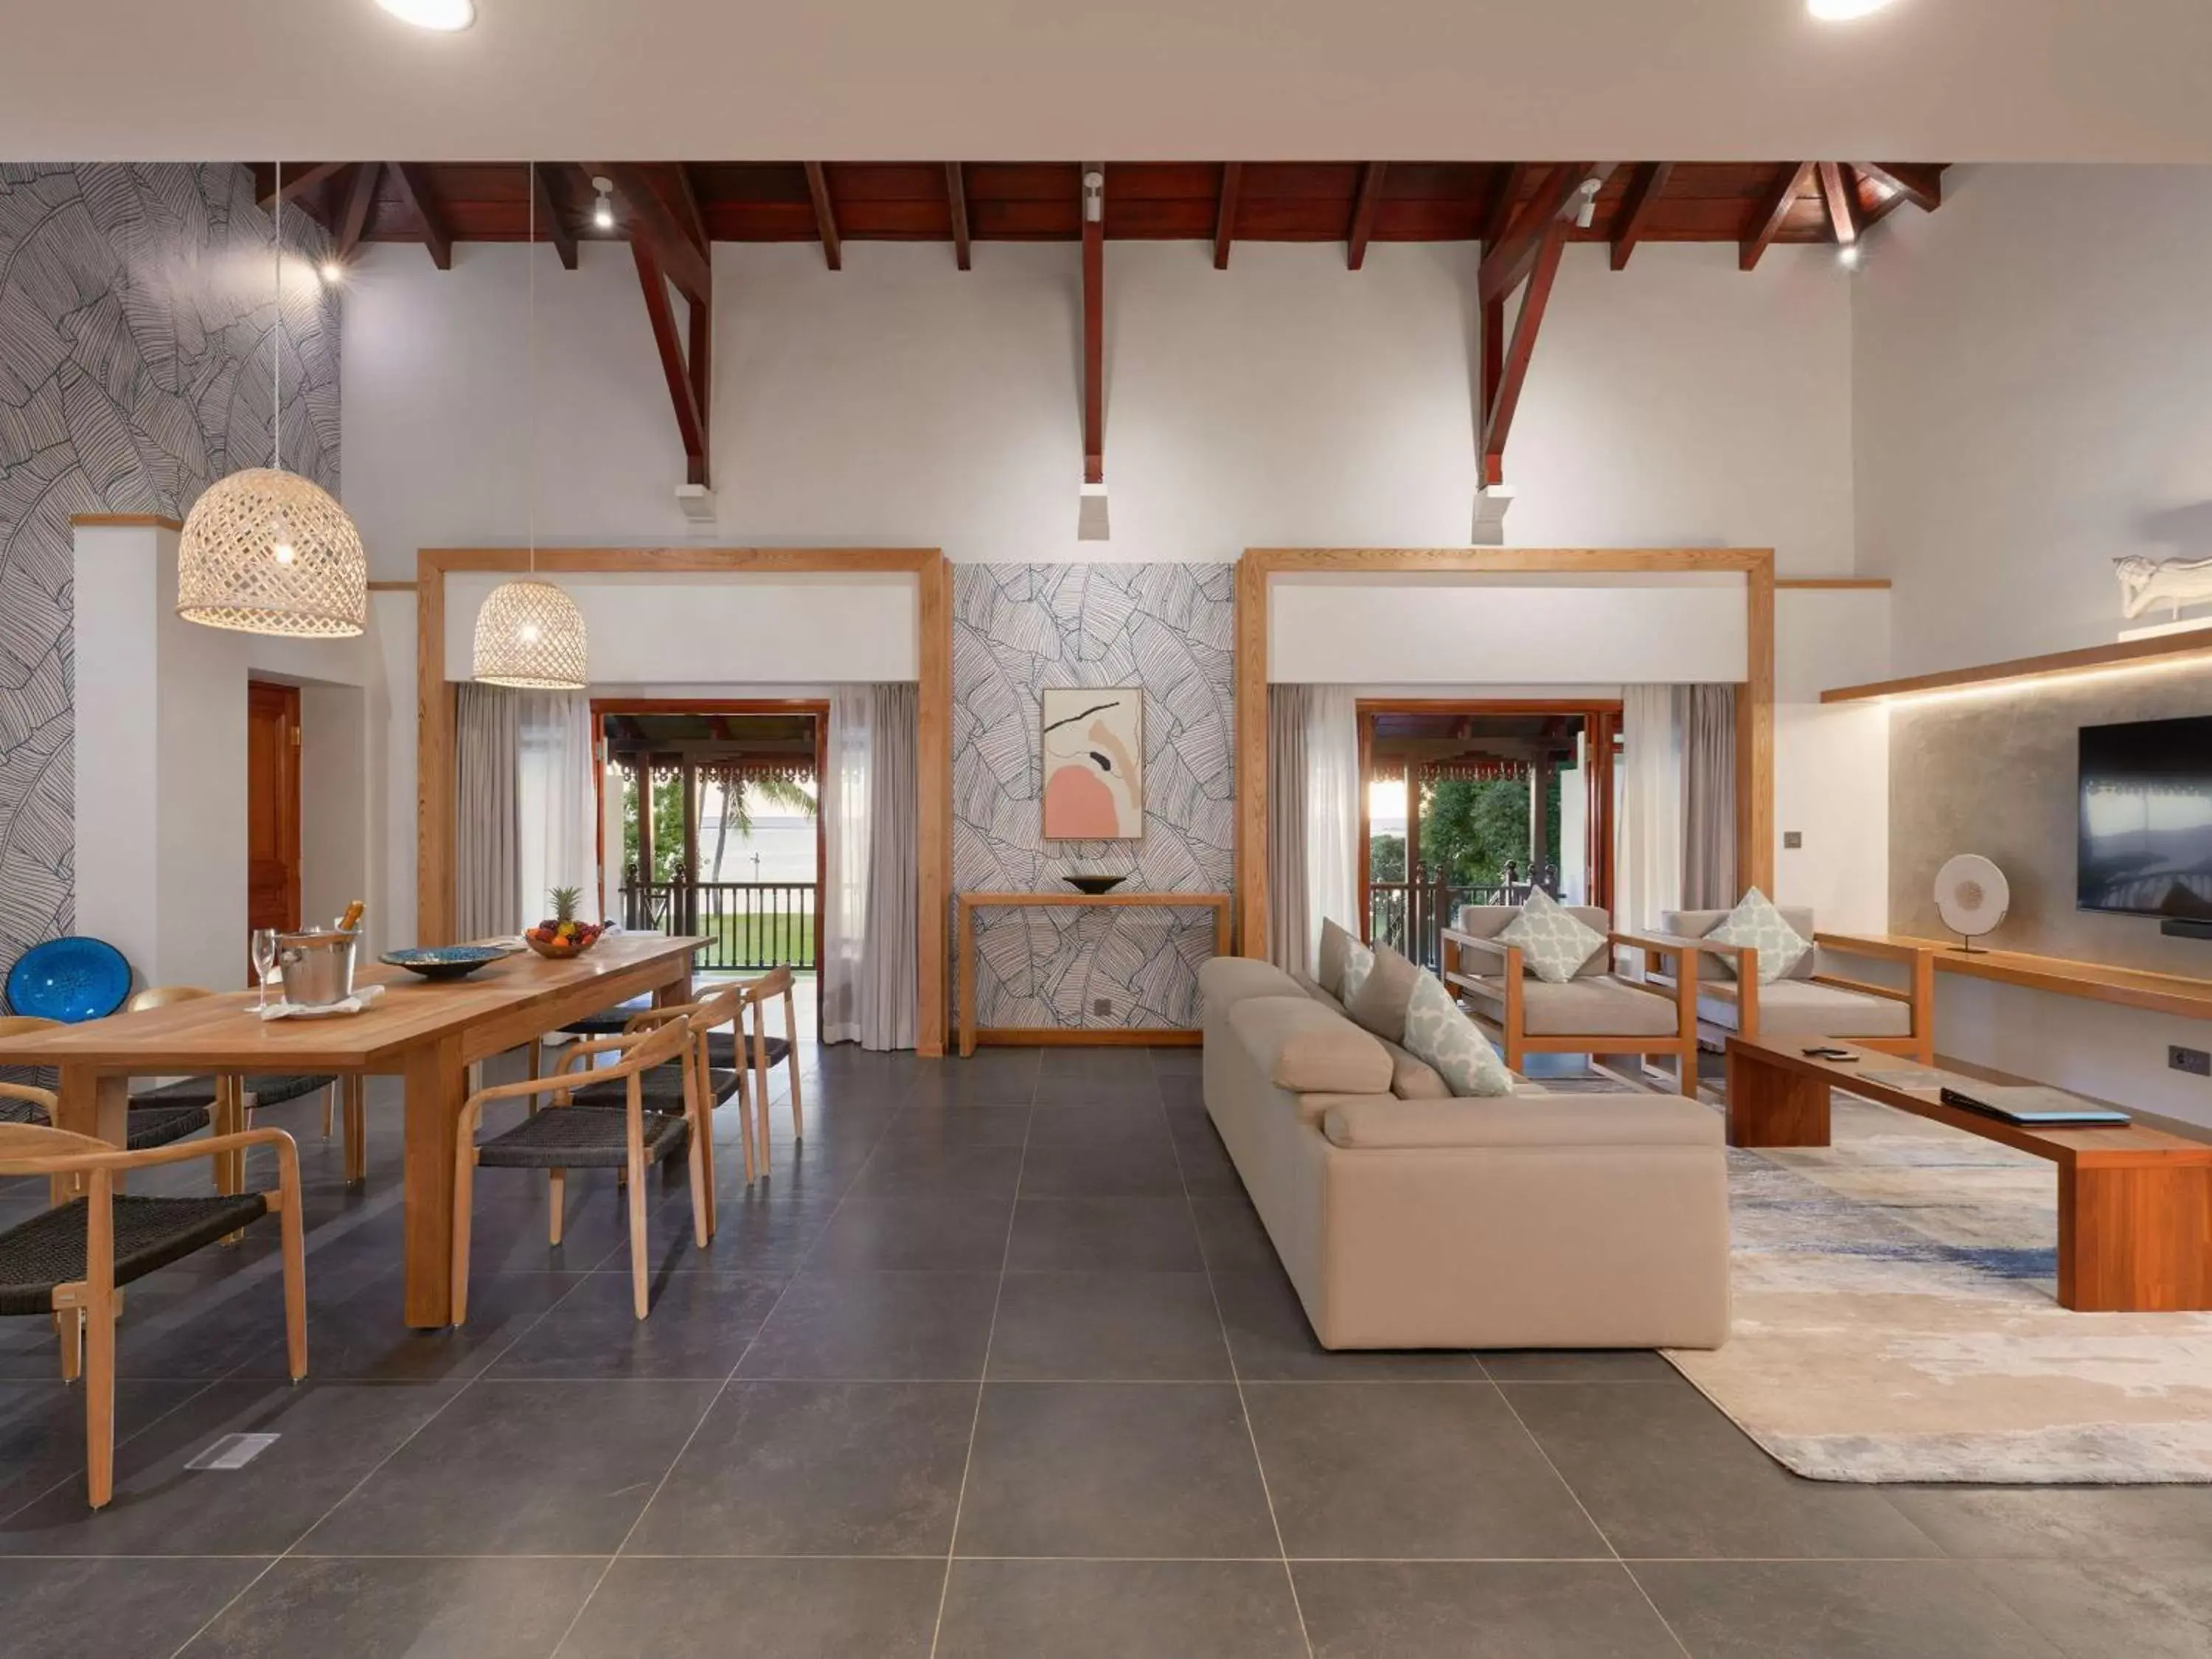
x=1955, y=80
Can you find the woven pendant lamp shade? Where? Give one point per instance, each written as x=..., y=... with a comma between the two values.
x=530, y=634
x=266, y=551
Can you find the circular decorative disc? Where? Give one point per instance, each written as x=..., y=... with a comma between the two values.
x=1971, y=894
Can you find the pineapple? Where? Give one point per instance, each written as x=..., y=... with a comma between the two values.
x=565, y=903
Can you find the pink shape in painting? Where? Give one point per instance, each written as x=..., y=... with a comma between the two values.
x=1078, y=806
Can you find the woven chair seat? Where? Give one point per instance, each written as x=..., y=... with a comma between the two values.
x=565, y=1138
x=661, y=1089
x=49, y=1249
x=608, y=1022
x=722, y=1049
x=157, y=1126
x=200, y=1091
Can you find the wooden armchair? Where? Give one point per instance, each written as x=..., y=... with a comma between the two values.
x=1597, y=1012
x=751, y=1055
x=1809, y=1003
x=69, y=1262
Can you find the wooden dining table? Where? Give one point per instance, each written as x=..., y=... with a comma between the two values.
x=427, y=1033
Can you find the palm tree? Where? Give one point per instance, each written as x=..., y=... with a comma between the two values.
x=776, y=792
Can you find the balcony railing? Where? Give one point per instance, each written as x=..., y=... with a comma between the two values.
x=751, y=924
x=1410, y=916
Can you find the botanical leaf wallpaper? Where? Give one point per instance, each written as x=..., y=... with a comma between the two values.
x=1018, y=630
x=136, y=307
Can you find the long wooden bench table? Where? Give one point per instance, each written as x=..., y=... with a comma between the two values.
x=428, y=1034
x=2135, y=1204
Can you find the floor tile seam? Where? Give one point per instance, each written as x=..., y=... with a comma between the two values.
x=200, y=1386
x=1559, y=1474
x=1237, y=1380
x=728, y=1378
x=982, y=1382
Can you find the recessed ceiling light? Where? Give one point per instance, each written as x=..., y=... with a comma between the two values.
x=1849, y=257
x=333, y=273
x=1842, y=11
x=444, y=15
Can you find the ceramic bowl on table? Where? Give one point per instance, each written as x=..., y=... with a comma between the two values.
x=71, y=980
x=1094, y=886
x=441, y=961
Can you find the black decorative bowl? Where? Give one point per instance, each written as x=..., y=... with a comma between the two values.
x=1094, y=886
x=444, y=961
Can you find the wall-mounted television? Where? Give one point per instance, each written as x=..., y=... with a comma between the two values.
x=2146, y=841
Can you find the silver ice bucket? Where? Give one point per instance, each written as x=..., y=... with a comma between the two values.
x=317, y=966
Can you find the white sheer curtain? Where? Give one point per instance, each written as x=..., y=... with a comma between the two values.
x=844, y=809
x=1332, y=812
x=556, y=804
x=1647, y=867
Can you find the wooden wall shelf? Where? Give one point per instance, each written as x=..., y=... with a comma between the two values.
x=2128, y=653
x=2127, y=988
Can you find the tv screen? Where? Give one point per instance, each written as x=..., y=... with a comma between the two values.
x=2146, y=846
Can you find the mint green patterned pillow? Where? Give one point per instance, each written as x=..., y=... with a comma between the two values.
x=1756, y=923
x=1437, y=1031
x=1554, y=941
x=1358, y=962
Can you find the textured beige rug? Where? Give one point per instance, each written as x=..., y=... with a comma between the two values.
x=1895, y=1320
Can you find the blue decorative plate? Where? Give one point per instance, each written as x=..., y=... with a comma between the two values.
x=71, y=980
x=444, y=961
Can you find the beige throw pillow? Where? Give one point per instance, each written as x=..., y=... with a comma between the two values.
x=1439, y=1032
x=1756, y=923
x=1329, y=967
x=1358, y=962
x=1380, y=1003
x=1554, y=941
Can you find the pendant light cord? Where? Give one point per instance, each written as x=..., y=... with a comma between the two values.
x=277, y=334
x=530, y=352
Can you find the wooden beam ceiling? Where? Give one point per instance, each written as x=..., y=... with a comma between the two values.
x=678, y=235
x=1760, y=234
x=1224, y=216
x=361, y=195
x=687, y=371
x=1503, y=381
x=414, y=180
x=296, y=179
x=1508, y=263
x=825, y=215
x=1842, y=204
x=1636, y=212
x=1363, y=215
x=956, y=202
x=553, y=225
x=1918, y=182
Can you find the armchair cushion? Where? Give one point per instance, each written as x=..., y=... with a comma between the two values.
x=1597, y=1006
x=1714, y=965
x=1795, y=1007
x=1439, y=1033
x=1554, y=942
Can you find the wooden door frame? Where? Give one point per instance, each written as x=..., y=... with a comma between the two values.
x=1601, y=718
x=1755, y=725
x=815, y=707
x=289, y=783
x=434, y=821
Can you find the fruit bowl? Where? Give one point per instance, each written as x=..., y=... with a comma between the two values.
x=549, y=941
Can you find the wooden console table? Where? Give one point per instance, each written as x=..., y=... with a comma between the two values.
x=965, y=963
x=2135, y=1204
x=2092, y=981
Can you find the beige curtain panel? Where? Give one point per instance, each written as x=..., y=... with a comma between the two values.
x=1707, y=717
x=487, y=822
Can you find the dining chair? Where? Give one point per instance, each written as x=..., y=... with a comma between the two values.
x=764, y=1052
x=69, y=1262
x=564, y=1136
x=149, y=1125
x=715, y=1030
x=233, y=1100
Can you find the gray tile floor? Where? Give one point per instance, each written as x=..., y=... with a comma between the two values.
x=999, y=1363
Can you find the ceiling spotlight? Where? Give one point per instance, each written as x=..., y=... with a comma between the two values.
x=1848, y=256
x=446, y=16
x=1094, y=196
x=333, y=273
x=602, y=209
x=1586, y=203
x=1842, y=11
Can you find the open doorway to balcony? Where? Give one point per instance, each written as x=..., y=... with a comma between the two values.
x=1474, y=802
x=709, y=825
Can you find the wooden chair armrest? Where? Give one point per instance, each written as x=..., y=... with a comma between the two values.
x=1452, y=935
x=45, y=1098
x=1863, y=988
x=647, y=1019
x=1665, y=945
x=576, y=1051
x=180, y=1151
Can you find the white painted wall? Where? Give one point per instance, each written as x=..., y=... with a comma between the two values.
x=1832, y=761
x=2030, y=370
x=1284, y=402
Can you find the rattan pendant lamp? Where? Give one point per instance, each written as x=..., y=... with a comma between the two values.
x=267, y=551
x=529, y=633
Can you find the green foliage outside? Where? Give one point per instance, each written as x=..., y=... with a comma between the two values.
x=1470, y=831
x=1386, y=858
x=668, y=821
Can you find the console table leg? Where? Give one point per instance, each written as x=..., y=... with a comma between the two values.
x=2135, y=1238
x=1773, y=1106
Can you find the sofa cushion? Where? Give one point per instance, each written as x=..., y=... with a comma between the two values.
x=1358, y=962
x=1329, y=966
x=1523, y=1120
x=1380, y=1002
x=1756, y=925
x=1411, y=1077
x=1794, y=1007
x=1716, y=965
x=1554, y=942
x=1438, y=1032
x=1225, y=982
x=1302, y=1047
x=1489, y=921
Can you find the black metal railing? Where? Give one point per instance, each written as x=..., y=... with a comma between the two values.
x=751, y=924
x=1410, y=917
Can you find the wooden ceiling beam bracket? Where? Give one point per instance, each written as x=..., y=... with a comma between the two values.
x=1772, y=212
x=1513, y=365
x=1509, y=262
x=1504, y=195
x=1918, y=182
x=306, y=178
x=825, y=215
x=956, y=197
x=1837, y=197
x=361, y=196
x=1094, y=326
x=557, y=230
x=688, y=384
x=659, y=220
x=414, y=180
x=1363, y=215
x=1635, y=215
x=1224, y=217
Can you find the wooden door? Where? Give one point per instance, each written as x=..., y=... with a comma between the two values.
x=272, y=805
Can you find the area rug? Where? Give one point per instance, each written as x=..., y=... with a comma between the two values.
x=1895, y=1320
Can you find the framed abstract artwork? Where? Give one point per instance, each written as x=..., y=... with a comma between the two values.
x=1094, y=763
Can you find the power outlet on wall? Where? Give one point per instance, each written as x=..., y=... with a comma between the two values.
x=2196, y=1061
x=1102, y=1004
x=1792, y=840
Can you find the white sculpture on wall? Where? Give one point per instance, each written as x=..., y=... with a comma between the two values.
x=2176, y=583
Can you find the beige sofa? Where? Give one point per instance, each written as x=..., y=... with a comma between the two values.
x=1810, y=1000
x=1527, y=1221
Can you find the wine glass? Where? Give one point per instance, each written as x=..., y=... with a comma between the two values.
x=264, y=958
